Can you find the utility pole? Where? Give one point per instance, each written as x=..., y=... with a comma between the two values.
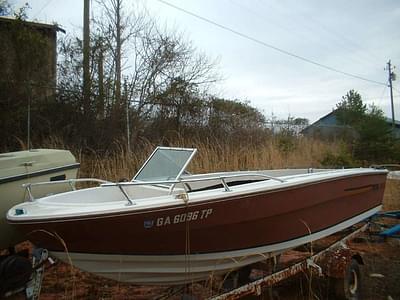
x=392, y=77
x=128, y=132
x=86, y=51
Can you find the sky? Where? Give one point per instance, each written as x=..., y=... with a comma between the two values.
x=357, y=37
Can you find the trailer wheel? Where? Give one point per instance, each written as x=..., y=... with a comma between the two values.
x=15, y=272
x=350, y=286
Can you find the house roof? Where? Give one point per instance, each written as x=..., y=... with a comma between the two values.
x=53, y=27
x=320, y=120
x=332, y=113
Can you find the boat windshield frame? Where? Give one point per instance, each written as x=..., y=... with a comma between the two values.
x=160, y=154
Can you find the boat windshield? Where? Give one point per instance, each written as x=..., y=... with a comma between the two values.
x=165, y=164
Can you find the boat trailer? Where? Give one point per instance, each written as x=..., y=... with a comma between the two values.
x=337, y=262
x=332, y=261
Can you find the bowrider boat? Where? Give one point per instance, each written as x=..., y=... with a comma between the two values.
x=168, y=226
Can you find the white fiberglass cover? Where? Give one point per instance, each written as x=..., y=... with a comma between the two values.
x=165, y=164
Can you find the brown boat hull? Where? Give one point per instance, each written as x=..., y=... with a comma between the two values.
x=226, y=224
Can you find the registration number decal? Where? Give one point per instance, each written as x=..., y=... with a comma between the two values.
x=179, y=218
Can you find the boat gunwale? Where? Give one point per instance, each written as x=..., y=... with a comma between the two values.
x=134, y=210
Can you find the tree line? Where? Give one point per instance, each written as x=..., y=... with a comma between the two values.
x=149, y=83
x=368, y=138
x=146, y=82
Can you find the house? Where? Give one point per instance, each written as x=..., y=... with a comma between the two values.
x=328, y=127
x=28, y=56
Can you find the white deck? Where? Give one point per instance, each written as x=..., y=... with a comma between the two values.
x=109, y=199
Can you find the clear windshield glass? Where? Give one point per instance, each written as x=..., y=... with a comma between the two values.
x=165, y=164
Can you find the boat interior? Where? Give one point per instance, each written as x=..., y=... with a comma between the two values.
x=163, y=174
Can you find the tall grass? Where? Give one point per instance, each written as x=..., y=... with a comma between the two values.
x=268, y=155
x=391, y=200
x=213, y=155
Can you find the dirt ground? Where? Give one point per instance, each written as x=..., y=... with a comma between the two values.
x=380, y=275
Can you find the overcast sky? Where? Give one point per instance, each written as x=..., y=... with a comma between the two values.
x=352, y=36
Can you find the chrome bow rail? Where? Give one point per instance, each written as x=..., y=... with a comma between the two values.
x=28, y=186
x=171, y=184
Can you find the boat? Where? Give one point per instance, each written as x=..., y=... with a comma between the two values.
x=35, y=165
x=167, y=226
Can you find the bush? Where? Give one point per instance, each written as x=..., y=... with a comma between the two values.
x=342, y=159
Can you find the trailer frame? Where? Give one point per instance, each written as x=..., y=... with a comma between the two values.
x=331, y=261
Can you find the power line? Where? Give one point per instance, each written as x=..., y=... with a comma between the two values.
x=43, y=7
x=301, y=35
x=378, y=98
x=345, y=41
x=269, y=45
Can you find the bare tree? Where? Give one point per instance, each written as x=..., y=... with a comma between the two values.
x=116, y=28
x=168, y=71
x=139, y=70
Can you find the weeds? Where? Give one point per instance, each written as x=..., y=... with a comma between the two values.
x=213, y=155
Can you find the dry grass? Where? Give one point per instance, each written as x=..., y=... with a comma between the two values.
x=269, y=155
x=217, y=156
x=391, y=199
x=212, y=156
